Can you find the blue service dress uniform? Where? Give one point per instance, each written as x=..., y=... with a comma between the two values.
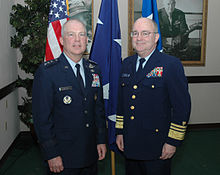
x=153, y=108
x=69, y=122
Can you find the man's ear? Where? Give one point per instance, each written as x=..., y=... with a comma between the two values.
x=61, y=41
x=157, y=36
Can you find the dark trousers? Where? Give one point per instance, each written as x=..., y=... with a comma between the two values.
x=147, y=167
x=91, y=170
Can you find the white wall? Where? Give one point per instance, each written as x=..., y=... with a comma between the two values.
x=9, y=121
x=8, y=68
x=206, y=97
x=9, y=125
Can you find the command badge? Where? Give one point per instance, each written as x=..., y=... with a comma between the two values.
x=67, y=100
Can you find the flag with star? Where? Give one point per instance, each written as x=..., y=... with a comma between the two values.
x=149, y=10
x=57, y=17
x=106, y=51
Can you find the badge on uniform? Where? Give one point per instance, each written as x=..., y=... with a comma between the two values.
x=67, y=99
x=125, y=75
x=96, y=80
x=91, y=66
x=156, y=72
x=66, y=88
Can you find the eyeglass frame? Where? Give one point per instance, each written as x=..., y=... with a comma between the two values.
x=73, y=34
x=142, y=34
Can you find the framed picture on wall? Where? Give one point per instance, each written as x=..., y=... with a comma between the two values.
x=83, y=11
x=183, y=25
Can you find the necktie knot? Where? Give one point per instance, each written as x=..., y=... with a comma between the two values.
x=77, y=67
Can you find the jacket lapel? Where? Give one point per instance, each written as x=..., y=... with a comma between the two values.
x=149, y=66
x=88, y=76
x=69, y=75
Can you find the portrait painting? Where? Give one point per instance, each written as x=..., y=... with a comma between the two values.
x=183, y=28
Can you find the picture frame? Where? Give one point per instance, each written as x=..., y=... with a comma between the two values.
x=83, y=11
x=193, y=51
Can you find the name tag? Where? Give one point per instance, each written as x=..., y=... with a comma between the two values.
x=66, y=88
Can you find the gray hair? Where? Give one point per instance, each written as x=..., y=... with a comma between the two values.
x=70, y=20
x=155, y=26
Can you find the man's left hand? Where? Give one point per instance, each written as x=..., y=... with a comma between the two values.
x=101, y=151
x=167, y=151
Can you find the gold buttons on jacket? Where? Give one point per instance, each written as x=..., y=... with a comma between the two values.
x=153, y=86
x=157, y=130
x=122, y=84
x=132, y=117
x=135, y=87
x=133, y=97
x=87, y=125
x=132, y=107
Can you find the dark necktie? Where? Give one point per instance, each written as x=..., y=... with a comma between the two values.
x=79, y=77
x=140, y=68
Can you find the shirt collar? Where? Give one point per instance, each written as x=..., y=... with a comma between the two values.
x=72, y=63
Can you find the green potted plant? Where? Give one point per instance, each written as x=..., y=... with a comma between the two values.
x=30, y=22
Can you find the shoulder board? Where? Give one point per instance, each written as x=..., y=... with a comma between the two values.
x=92, y=62
x=51, y=62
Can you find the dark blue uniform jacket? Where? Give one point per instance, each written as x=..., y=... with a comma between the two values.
x=68, y=122
x=154, y=108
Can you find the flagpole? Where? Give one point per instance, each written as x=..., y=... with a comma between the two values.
x=113, y=162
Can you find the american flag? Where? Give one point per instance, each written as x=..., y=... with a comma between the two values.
x=58, y=15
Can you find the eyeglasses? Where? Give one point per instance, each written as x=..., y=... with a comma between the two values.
x=80, y=34
x=144, y=34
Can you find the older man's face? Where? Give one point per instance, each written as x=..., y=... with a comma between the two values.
x=74, y=39
x=144, y=44
x=169, y=5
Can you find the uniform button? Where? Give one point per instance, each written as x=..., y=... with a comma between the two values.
x=157, y=130
x=132, y=107
x=95, y=97
x=153, y=86
x=122, y=84
x=85, y=112
x=133, y=97
x=135, y=87
x=85, y=99
x=87, y=125
x=132, y=117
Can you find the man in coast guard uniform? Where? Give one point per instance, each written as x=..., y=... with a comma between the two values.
x=154, y=104
x=68, y=108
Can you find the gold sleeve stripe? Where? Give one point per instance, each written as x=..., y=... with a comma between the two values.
x=119, y=122
x=119, y=125
x=118, y=116
x=176, y=135
x=179, y=126
x=182, y=130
